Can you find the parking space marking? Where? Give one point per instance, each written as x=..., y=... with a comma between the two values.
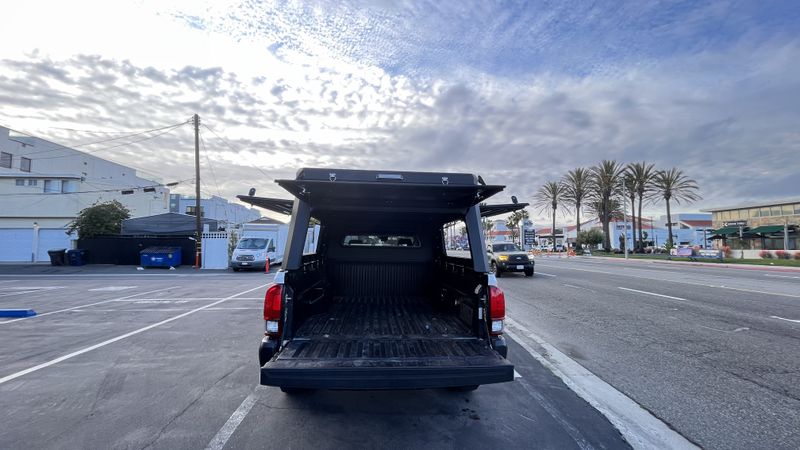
x=225, y=433
x=87, y=305
x=653, y=293
x=783, y=318
x=113, y=288
x=26, y=290
x=16, y=375
x=546, y=274
x=579, y=287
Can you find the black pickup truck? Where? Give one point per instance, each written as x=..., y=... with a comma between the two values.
x=380, y=304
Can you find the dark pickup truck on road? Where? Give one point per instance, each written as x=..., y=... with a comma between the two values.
x=380, y=304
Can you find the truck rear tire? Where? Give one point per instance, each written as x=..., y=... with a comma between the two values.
x=469, y=388
x=528, y=272
x=296, y=391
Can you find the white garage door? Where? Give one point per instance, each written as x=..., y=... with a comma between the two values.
x=16, y=244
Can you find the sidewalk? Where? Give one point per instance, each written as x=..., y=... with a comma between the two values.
x=703, y=264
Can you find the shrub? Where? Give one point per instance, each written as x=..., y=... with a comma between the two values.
x=782, y=254
x=765, y=254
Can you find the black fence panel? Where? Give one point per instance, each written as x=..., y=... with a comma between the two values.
x=124, y=250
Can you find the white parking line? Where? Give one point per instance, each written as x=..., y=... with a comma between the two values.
x=87, y=305
x=225, y=433
x=579, y=287
x=780, y=276
x=120, y=337
x=546, y=274
x=783, y=318
x=639, y=427
x=653, y=293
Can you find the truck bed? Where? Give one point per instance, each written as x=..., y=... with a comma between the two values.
x=368, y=317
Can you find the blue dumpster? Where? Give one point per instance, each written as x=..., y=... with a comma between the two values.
x=76, y=257
x=160, y=257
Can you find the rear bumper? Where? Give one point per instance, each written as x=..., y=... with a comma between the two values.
x=249, y=264
x=368, y=378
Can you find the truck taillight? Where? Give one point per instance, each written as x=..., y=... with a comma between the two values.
x=497, y=310
x=272, y=309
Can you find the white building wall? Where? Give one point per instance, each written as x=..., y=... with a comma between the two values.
x=60, y=183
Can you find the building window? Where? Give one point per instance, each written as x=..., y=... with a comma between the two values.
x=786, y=210
x=775, y=211
x=52, y=186
x=20, y=182
x=25, y=164
x=5, y=160
x=190, y=210
x=744, y=214
x=797, y=208
x=68, y=186
x=33, y=182
x=764, y=212
x=754, y=212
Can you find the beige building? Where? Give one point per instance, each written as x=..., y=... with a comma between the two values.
x=758, y=225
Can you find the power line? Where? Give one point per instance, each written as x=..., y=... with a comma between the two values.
x=169, y=130
x=102, y=190
x=60, y=147
x=235, y=150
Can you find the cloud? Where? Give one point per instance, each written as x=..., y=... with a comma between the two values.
x=519, y=97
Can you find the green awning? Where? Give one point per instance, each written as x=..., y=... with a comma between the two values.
x=726, y=231
x=767, y=229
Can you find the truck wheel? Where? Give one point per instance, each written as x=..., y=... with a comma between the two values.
x=235, y=269
x=495, y=270
x=528, y=272
x=469, y=388
x=296, y=391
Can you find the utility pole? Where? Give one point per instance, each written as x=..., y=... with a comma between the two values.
x=197, y=221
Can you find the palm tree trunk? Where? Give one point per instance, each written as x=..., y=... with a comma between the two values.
x=633, y=225
x=641, y=239
x=578, y=219
x=669, y=226
x=606, y=235
x=554, y=229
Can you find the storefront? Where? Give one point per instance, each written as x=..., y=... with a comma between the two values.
x=767, y=226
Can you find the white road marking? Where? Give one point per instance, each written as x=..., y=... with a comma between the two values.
x=780, y=276
x=545, y=274
x=87, y=305
x=113, y=288
x=8, y=281
x=651, y=278
x=783, y=318
x=181, y=299
x=652, y=293
x=225, y=433
x=26, y=290
x=579, y=287
x=516, y=374
x=119, y=338
x=639, y=427
x=725, y=331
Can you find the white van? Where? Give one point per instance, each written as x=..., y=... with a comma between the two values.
x=253, y=253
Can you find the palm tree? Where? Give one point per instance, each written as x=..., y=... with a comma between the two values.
x=547, y=198
x=643, y=175
x=629, y=191
x=605, y=185
x=514, y=221
x=670, y=185
x=576, y=187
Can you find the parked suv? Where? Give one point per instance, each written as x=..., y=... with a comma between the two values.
x=380, y=304
x=508, y=257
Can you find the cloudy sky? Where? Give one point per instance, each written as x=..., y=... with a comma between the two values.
x=519, y=92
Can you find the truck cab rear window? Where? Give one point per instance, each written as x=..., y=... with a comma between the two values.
x=380, y=240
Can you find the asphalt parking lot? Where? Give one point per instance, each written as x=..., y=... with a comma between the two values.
x=157, y=359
